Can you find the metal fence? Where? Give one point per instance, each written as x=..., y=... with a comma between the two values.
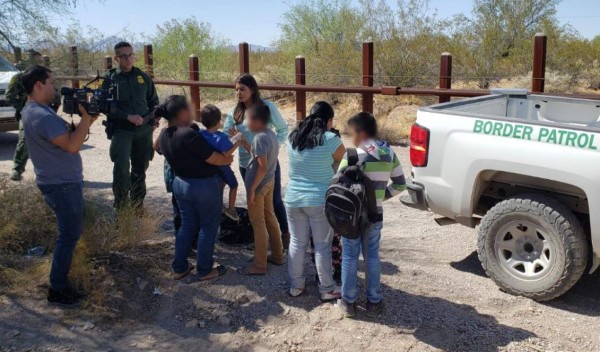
x=367, y=90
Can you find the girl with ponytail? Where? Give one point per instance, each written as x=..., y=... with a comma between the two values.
x=313, y=150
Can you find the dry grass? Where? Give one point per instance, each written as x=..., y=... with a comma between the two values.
x=108, y=239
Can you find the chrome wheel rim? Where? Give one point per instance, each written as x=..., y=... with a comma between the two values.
x=524, y=250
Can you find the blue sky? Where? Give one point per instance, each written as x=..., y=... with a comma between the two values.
x=256, y=21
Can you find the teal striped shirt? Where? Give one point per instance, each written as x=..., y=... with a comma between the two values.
x=311, y=171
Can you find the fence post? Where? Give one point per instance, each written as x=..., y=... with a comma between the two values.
x=74, y=66
x=18, y=55
x=445, y=75
x=244, y=58
x=46, y=60
x=367, y=75
x=538, y=75
x=149, y=60
x=108, y=61
x=300, y=96
x=195, y=76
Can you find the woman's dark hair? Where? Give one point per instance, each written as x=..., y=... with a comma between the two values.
x=171, y=107
x=364, y=122
x=240, y=109
x=310, y=132
x=33, y=75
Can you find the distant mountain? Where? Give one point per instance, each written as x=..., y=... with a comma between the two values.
x=253, y=47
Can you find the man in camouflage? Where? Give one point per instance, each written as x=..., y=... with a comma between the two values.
x=16, y=97
x=132, y=124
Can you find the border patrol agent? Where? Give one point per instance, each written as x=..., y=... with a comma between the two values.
x=130, y=128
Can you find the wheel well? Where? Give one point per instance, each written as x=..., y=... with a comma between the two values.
x=492, y=187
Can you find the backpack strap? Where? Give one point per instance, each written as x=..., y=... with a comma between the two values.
x=352, y=156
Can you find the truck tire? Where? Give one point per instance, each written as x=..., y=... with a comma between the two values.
x=532, y=246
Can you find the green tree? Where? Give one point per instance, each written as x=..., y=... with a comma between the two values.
x=328, y=34
x=176, y=40
x=18, y=17
x=498, y=37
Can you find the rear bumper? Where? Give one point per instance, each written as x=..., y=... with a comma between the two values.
x=416, y=196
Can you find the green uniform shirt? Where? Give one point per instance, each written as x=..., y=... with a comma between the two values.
x=137, y=96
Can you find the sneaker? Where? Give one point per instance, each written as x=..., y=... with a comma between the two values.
x=232, y=214
x=16, y=176
x=374, y=309
x=330, y=296
x=349, y=309
x=295, y=292
x=66, y=297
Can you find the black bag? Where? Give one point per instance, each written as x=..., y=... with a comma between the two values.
x=350, y=204
x=236, y=232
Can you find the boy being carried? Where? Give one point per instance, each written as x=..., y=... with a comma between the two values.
x=211, y=119
x=380, y=164
x=259, y=181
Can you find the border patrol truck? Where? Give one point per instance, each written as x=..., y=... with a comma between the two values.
x=523, y=167
x=8, y=121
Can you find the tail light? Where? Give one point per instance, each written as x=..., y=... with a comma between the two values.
x=419, y=146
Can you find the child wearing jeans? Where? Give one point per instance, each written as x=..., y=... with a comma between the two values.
x=210, y=117
x=381, y=165
x=259, y=180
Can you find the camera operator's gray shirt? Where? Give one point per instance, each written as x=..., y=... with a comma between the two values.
x=52, y=165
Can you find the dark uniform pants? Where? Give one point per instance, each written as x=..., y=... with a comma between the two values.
x=129, y=179
x=21, y=154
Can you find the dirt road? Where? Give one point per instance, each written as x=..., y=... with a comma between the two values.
x=437, y=297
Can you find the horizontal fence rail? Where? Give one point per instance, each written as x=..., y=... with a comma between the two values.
x=300, y=88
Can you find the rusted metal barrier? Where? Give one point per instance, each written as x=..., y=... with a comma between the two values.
x=538, y=75
x=300, y=80
x=445, y=75
x=108, y=61
x=367, y=76
x=367, y=90
x=74, y=66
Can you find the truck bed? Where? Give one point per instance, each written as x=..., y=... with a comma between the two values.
x=528, y=108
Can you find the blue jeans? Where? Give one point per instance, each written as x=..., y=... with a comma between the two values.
x=66, y=200
x=350, y=252
x=199, y=202
x=277, y=201
x=307, y=222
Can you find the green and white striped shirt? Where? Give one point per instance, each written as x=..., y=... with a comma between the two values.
x=380, y=164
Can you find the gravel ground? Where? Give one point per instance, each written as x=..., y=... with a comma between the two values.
x=437, y=297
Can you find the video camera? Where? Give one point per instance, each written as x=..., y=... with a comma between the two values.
x=94, y=101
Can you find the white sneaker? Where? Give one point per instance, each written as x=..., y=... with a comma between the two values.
x=295, y=292
x=332, y=295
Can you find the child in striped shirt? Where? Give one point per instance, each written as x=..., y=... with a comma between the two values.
x=380, y=164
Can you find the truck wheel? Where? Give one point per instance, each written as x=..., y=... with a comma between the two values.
x=532, y=246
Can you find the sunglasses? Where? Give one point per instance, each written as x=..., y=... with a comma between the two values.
x=126, y=56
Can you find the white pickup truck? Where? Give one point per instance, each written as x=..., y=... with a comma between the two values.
x=526, y=169
x=8, y=121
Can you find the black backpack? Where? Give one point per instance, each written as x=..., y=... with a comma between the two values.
x=236, y=232
x=350, y=203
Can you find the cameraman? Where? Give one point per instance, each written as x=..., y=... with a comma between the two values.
x=16, y=97
x=54, y=151
x=132, y=125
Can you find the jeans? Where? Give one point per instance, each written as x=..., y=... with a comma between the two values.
x=199, y=202
x=350, y=253
x=307, y=222
x=131, y=152
x=66, y=200
x=265, y=226
x=21, y=153
x=277, y=200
